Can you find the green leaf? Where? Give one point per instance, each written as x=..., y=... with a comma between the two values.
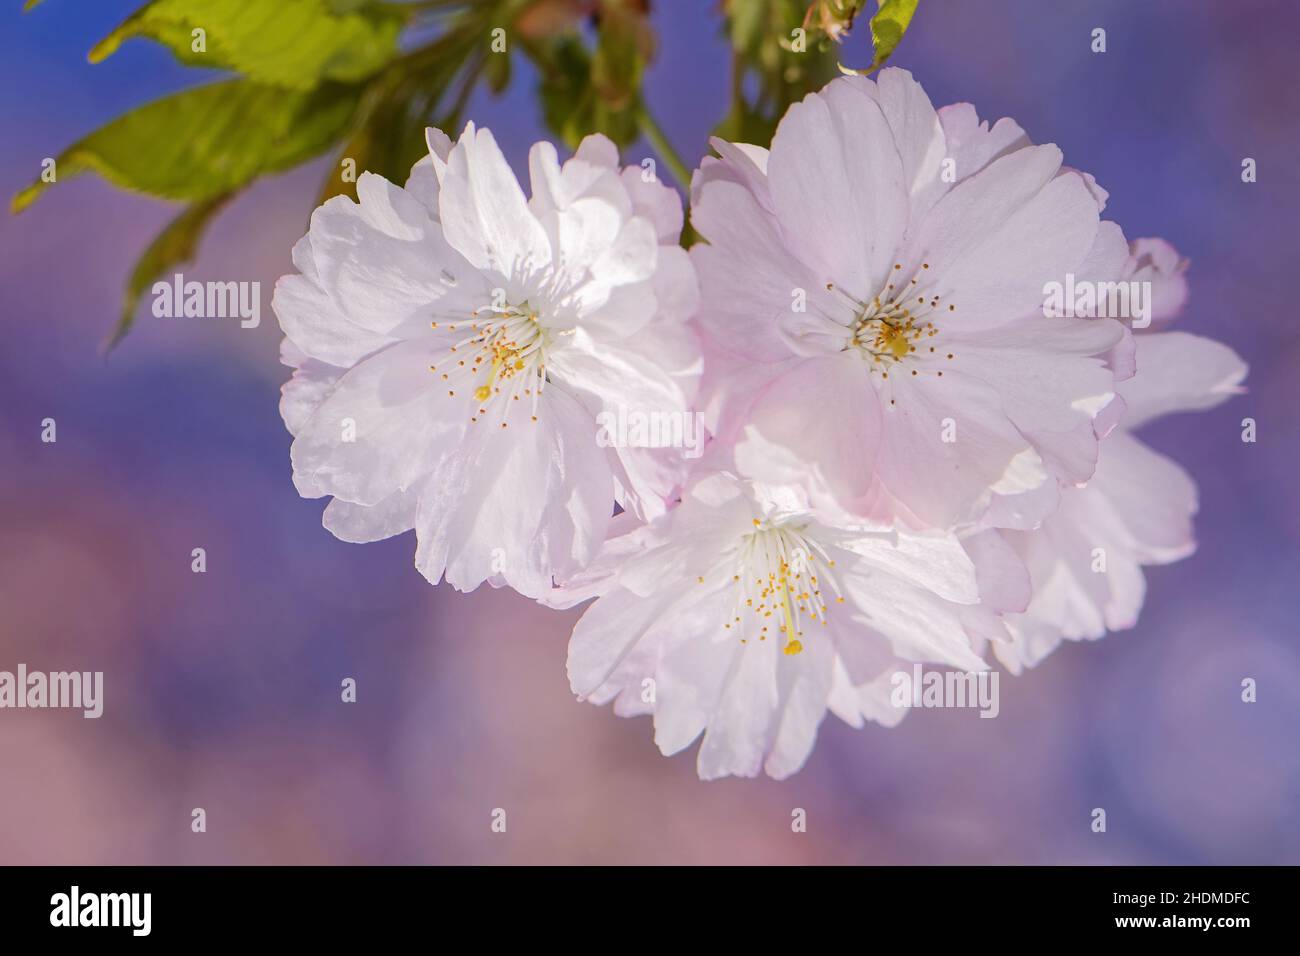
x=770, y=71
x=586, y=92
x=175, y=245
x=207, y=141
x=497, y=69
x=746, y=23
x=568, y=102
x=290, y=43
x=387, y=136
x=889, y=25
x=744, y=124
x=887, y=29
x=387, y=141
x=623, y=48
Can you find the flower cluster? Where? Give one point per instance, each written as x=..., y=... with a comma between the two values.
x=909, y=458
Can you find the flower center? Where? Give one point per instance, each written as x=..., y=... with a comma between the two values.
x=776, y=577
x=503, y=360
x=897, y=324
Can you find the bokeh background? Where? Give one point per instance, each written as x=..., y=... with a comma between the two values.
x=222, y=689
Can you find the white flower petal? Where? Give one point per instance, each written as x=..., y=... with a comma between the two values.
x=364, y=523
x=381, y=429
x=518, y=504
x=485, y=215
x=838, y=187
x=1179, y=372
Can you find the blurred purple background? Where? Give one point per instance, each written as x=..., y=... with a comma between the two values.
x=222, y=689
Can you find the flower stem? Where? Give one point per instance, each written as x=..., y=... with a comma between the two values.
x=655, y=134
